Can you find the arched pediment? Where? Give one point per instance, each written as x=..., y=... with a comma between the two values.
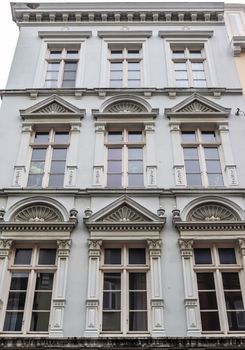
x=125, y=106
x=38, y=212
x=212, y=212
x=52, y=107
x=196, y=106
x=124, y=214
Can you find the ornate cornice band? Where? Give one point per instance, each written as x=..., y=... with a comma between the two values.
x=207, y=226
x=33, y=226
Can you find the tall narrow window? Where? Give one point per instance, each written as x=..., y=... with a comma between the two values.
x=30, y=293
x=125, y=158
x=61, y=67
x=202, y=158
x=189, y=66
x=47, y=168
x=125, y=290
x=221, y=297
x=125, y=67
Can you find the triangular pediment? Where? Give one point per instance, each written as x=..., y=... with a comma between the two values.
x=52, y=107
x=124, y=212
x=196, y=106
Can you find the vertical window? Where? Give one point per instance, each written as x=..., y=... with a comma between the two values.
x=202, y=159
x=125, y=67
x=30, y=293
x=125, y=158
x=61, y=67
x=47, y=168
x=189, y=66
x=125, y=290
x=221, y=298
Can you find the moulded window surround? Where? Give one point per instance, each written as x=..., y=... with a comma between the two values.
x=125, y=158
x=28, y=302
x=61, y=66
x=189, y=66
x=220, y=286
x=202, y=159
x=48, y=158
x=125, y=66
x=125, y=293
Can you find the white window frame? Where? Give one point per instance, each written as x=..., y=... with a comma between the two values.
x=125, y=145
x=108, y=43
x=57, y=43
x=49, y=150
x=124, y=269
x=200, y=145
x=171, y=43
x=33, y=270
x=216, y=268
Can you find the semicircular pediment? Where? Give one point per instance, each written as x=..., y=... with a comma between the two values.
x=37, y=213
x=125, y=107
x=212, y=212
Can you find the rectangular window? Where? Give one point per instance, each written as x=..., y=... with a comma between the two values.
x=125, y=167
x=202, y=160
x=61, y=67
x=221, y=298
x=30, y=293
x=47, y=168
x=125, y=67
x=125, y=290
x=189, y=66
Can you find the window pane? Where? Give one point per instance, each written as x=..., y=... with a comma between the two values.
x=207, y=300
x=233, y=301
x=42, y=301
x=203, y=256
x=133, y=53
x=112, y=281
x=190, y=153
x=41, y=137
x=35, y=180
x=59, y=154
x=112, y=256
x=134, y=75
x=197, y=66
x=227, y=256
x=44, y=281
x=38, y=153
x=114, y=153
x=116, y=53
x=111, y=321
x=208, y=136
x=215, y=180
x=178, y=53
x=231, y=280
x=114, y=180
x=68, y=83
x=53, y=67
x=182, y=83
x=188, y=136
x=138, y=321
x=135, y=166
x=211, y=153
x=137, y=281
x=135, y=136
x=114, y=166
x=116, y=83
x=70, y=66
x=58, y=166
x=200, y=83
x=39, y=322
x=198, y=75
x=55, y=53
x=56, y=180
x=135, y=153
x=205, y=281
x=22, y=257
x=135, y=180
x=137, y=301
x=194, y=179
x=47, y=256
x=117, y=75
x=181, y=75
x=37, y=167
x=213, y=166
x=116, y=66
x=236, y=320
x=72, y=53
x=69, y=75
x=133, y=66
x=61, y=137
x=210, y=321
x=180, y=67
x=195, y=53
x=16, y=300
x=19, y=281
x=13, y=321
x=192, y=166
x=112, y=300
x=115, y=137
x=133, y=83
x=136, y=256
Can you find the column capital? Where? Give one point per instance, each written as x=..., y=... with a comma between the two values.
x=154, y=246
x=186, y=247
x=94, y=247
x=5, y=246
x=64, y=247
x=26, y=128
x=241, y=242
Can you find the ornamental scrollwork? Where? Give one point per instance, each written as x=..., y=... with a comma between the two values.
x=212, y=212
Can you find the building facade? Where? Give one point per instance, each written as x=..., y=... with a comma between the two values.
x=123, y=182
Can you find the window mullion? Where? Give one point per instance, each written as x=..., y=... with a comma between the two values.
x=203, y=165
x=29, y=301
x=47, y=166
x=221, y=301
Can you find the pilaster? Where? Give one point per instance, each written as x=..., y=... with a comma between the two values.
x=99, y=156
x=92, y=303
x=157, y=303
x=72, y=156
x=5, y=248
x=178, y=159
x=151, y=168
x=190, y=300
x=57, y=312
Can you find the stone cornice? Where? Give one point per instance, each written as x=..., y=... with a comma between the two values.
x=37, y=226
x=129, y=226
x=74, y=13
x=202, y=343
x=64, y=35
x=103, y=92
x=125, y=34
x=208, y=226
x=186, y=33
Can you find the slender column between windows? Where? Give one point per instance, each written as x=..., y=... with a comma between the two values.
x=5, y=246
x=19, y=179
x=98, y=175
x=92, y=303
x=57, y=312
x=192, y=315
x=178, y=159
x=72, y=156
x=151, y=168
x=157, y=303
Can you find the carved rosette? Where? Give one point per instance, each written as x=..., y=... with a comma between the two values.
x=186, y=247
x=37, y=213
x=64, y=247
x=5, y=247
x=212, y=212
x=154, y=246
x=94, y=247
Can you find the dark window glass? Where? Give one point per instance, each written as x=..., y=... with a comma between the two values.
x=227, y=256
x=22, y=257
x=205, y=281
x=210, y=321
x=188, y=136
x=202, y=256
x=136, y=256
x=47, y=256
x=231, y=280
x=42, y=137
x=112, y=256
